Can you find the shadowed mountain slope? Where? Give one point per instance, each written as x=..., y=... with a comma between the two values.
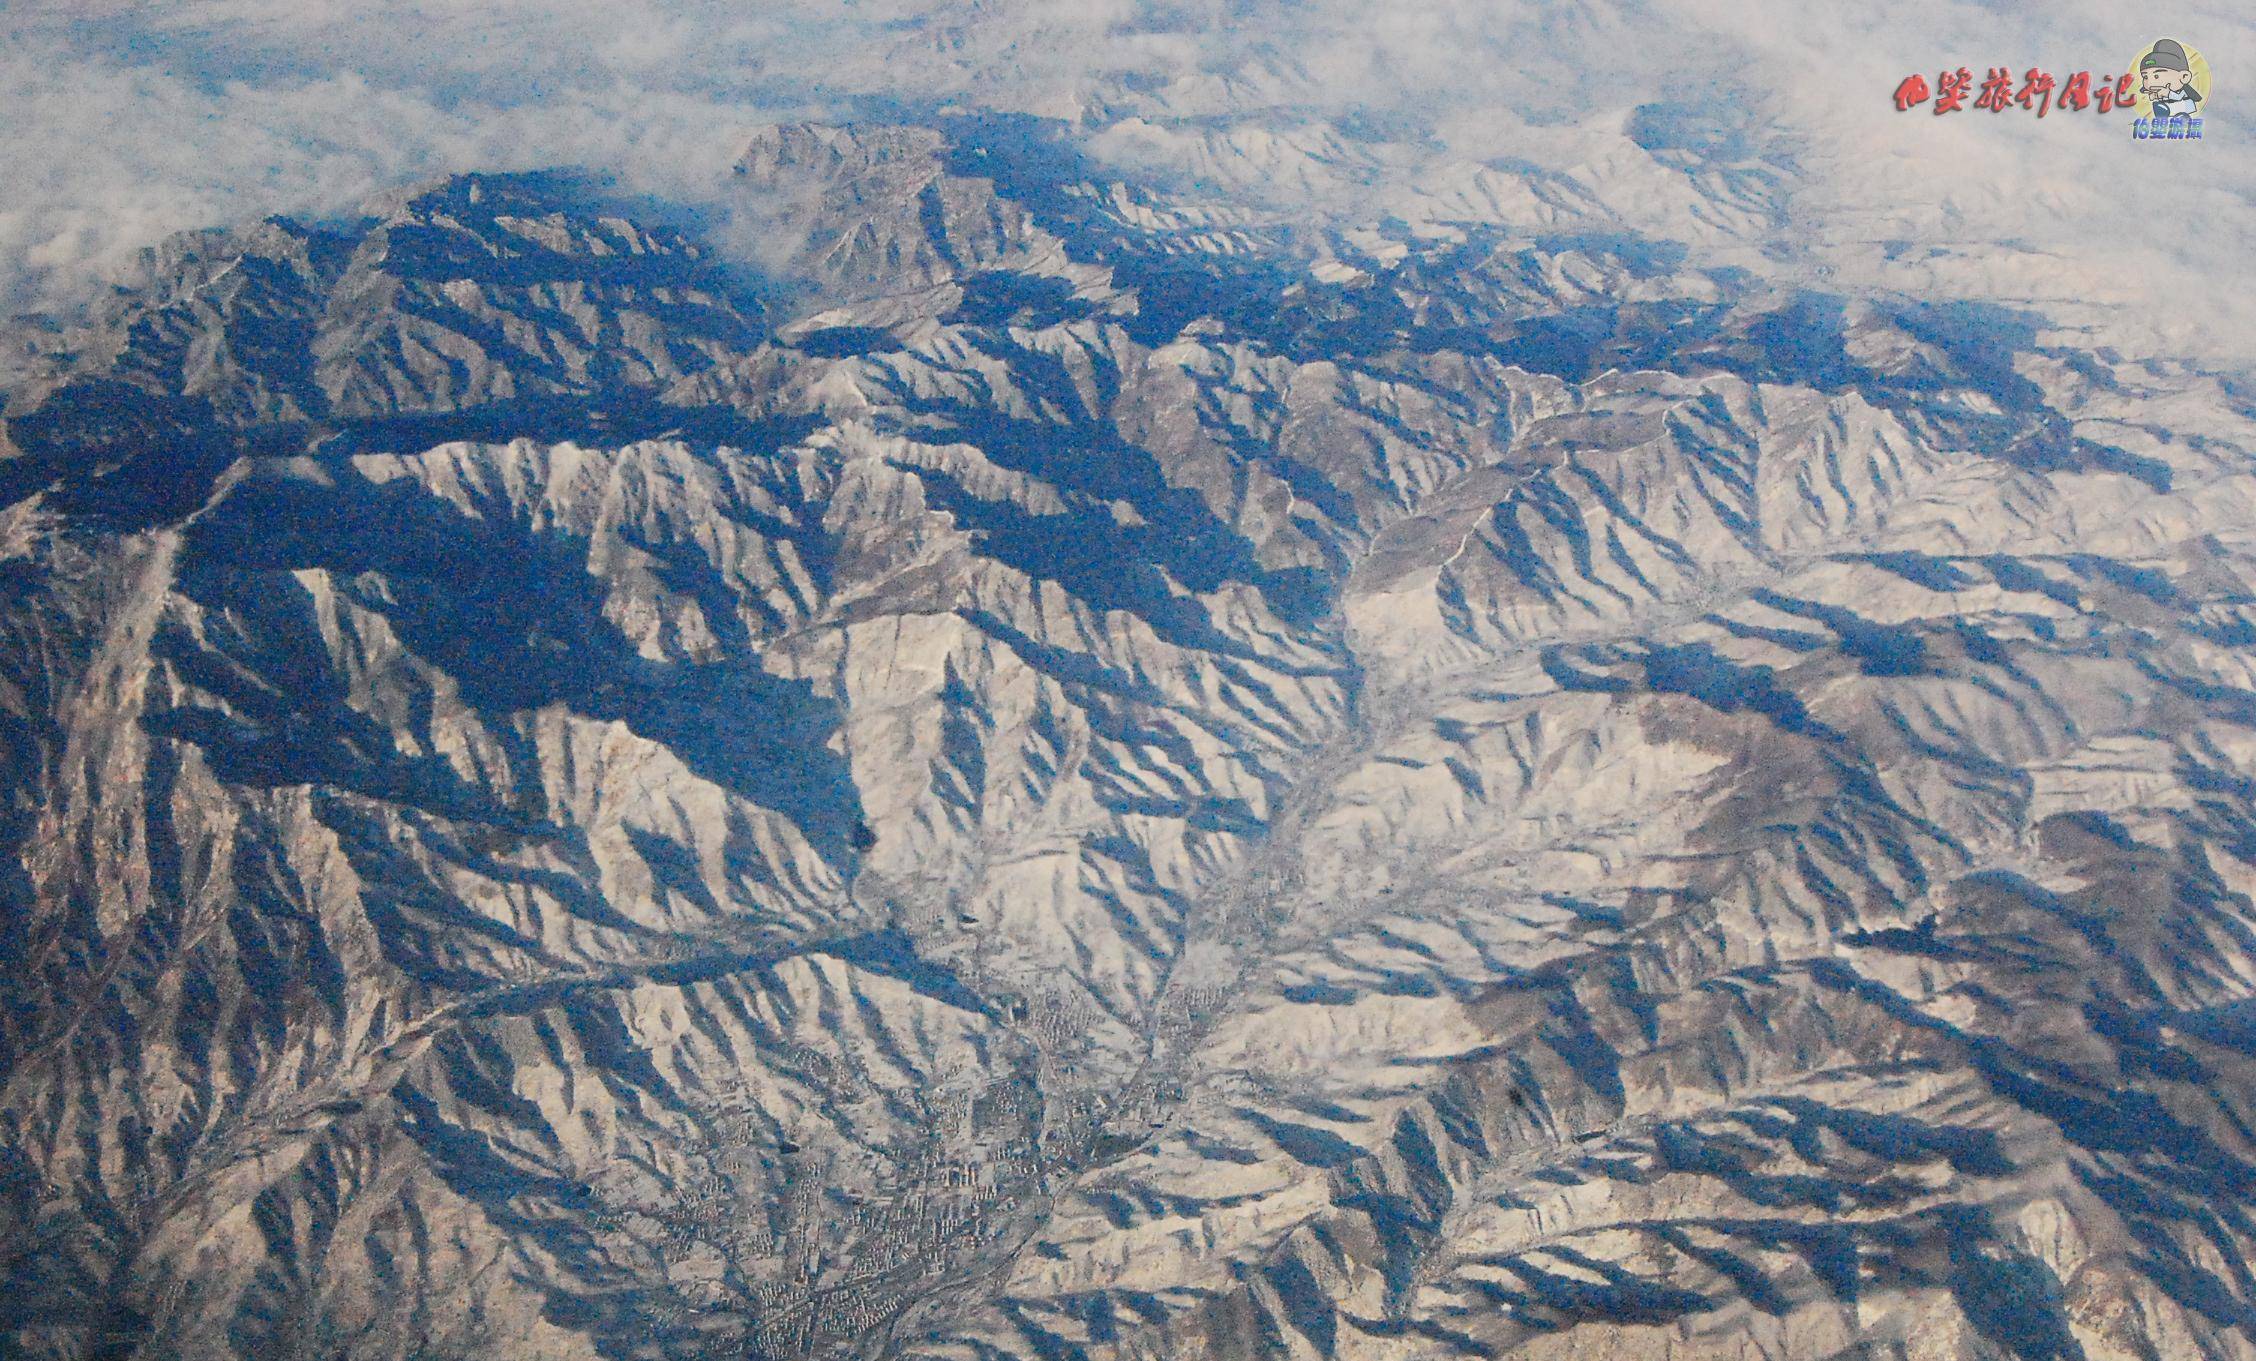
x=1125, y=783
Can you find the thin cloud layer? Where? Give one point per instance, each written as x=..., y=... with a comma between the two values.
x=126, y=122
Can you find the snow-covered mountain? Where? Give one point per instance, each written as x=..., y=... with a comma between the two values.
x=1105, y=767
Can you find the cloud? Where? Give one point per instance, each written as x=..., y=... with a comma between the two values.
x=124, y=122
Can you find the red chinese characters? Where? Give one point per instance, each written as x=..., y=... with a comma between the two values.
x=1997, y=90
x=2037, y=85
x=1953, y=89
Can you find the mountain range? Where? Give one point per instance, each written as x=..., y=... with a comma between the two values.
x=1080, y=766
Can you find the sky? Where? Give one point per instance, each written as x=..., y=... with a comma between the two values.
x=122, y=122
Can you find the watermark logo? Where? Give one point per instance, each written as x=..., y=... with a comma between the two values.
x=2173, y=85
x=2166, y=87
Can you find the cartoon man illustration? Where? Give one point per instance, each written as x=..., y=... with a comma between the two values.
x=2166, y=79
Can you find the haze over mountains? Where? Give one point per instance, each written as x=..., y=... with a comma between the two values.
x=1102, y=766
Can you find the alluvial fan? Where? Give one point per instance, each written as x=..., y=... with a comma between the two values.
x=1100, y=775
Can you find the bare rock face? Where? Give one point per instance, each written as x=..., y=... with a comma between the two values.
x=874, y=211
x=1111, y=791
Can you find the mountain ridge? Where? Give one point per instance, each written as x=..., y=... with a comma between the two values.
x=1075, y=786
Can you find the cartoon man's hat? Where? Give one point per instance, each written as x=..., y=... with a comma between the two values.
x=2168, y=55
